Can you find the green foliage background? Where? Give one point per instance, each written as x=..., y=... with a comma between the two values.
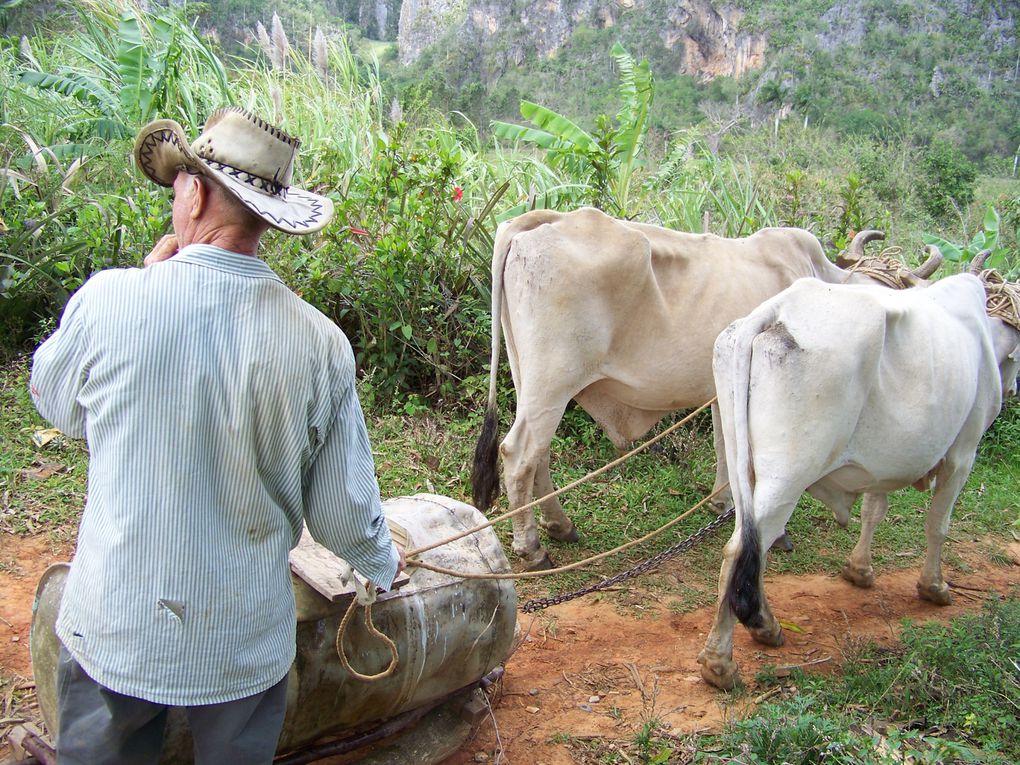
x=832, y=139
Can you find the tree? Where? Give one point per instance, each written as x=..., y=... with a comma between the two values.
x=134, y=68
x=606, y=161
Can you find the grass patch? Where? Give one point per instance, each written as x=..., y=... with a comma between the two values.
x=42, y=488
x=948, y=694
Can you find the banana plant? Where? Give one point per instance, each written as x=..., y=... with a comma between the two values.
x=605, y=161
x=985, y=239
x=132, y=68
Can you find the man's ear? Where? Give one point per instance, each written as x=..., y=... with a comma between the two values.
x=200, y=199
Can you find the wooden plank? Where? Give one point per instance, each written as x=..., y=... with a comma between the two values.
x=320, y=569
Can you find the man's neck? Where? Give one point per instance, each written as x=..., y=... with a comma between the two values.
x=241, y=244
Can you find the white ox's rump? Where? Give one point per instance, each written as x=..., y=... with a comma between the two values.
x=621, y=317
x=841, y=391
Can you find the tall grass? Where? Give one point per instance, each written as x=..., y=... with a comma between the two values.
x=696, y=190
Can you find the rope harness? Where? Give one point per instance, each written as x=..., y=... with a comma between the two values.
x=1002, y=298
x=366, y=595
x=886, y=269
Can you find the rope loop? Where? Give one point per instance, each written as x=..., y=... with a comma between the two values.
x=394, y=656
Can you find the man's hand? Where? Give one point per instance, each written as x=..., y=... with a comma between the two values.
x=403, y=559
x=165, y=249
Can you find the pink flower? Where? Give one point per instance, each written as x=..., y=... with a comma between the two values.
x=458, y=193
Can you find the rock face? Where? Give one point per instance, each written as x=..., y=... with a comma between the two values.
x=706, y=36
x=710, y=40
x=377, y=19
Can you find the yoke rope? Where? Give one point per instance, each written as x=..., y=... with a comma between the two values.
x=1002, y=298
x=578, y=482
x=885, y=268
x=575, y=564
x=369, y=596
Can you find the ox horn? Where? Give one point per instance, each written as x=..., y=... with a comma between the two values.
x=856, y=249
x=979, y=262
x=931, y=265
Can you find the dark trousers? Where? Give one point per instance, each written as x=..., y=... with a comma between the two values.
x=101, y=727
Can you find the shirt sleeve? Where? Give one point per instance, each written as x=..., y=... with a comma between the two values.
x=59, y=371
x=343, y=510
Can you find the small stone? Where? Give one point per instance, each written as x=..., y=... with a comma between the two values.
x=532, y=710
x=594, y=699
x=481, y=757
x=16, y=639
x=533, y=692
x=585, y=707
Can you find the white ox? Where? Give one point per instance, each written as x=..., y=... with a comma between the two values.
x=848, y=390
x=621, y=317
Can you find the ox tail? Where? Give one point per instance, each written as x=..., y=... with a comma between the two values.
x=733, y=382
x=743, y=593
x=484, y=469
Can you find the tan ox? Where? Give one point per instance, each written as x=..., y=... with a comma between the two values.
x=621, y=317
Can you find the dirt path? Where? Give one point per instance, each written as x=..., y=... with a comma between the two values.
x=598, y=669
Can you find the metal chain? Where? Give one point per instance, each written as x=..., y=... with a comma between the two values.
x=538, y=604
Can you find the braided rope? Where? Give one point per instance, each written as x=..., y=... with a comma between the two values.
x=561, y=490
x=885, y=268
x=569, y=566
x=1002, y=298
x=394, y=656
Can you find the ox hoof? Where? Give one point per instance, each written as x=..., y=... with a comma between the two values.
x=861, y=577
x=937, y=594
x=767, y=636
x=570, y=535
x=784, y=543
x=720, y=505
x=540, y=561
x=719, y=672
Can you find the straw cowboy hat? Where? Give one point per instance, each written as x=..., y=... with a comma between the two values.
x=243, y=154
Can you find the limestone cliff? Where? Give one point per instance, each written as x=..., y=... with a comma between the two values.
x=704, y=34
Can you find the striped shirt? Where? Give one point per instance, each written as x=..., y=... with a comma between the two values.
x=220, y=412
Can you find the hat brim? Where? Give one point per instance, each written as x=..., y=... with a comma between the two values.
x=161, y=149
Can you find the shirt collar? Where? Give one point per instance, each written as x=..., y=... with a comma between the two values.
x=209, y=256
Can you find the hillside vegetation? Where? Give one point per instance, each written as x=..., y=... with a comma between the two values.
x=419, y=189
x=845, y=127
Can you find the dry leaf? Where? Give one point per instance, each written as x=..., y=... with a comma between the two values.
x=44, y=470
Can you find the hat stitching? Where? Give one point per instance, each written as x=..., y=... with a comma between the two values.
x=315, y=213
x=259, y=122
x=270, y=185
x=149, y=147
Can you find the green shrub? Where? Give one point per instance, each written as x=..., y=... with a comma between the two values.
x=949, y=177
x=61, y=229
x=397, y=270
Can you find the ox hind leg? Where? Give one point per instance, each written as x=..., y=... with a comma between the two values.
x=742, y=595
x=950, y=481
x=858, y=569
x=525, y=453
x=724, y=500
x=554, y=520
